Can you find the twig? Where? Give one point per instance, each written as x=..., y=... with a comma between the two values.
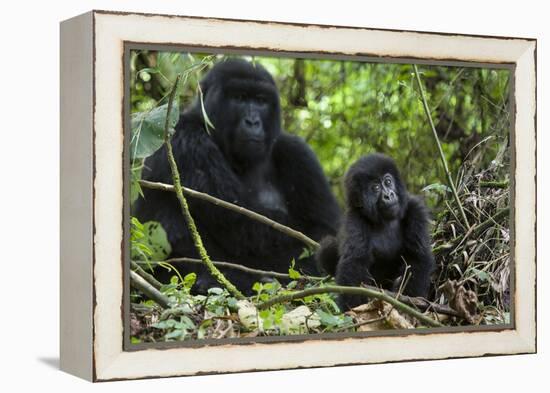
x=476, y=231
x=146, y=276
x=231, y=206
x=494, y=184
x=442, y=247
x=359, y=324
x=418, y=302
x=233, y=266
x=422, y=303
x=148, y=290
x=438, y=143
x=473, y=231
x=352, y=291
x=197, y=240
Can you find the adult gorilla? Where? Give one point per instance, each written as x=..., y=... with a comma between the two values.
x=247, y=160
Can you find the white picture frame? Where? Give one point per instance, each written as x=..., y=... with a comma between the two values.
x=92, y=194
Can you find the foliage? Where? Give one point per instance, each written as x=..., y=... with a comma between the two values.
x=219, y=315
x=345, y=109
x=148, y=241
x=478, y=259
x=148, y=131
x=147, y=124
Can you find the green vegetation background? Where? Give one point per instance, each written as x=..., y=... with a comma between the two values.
x=345, y=109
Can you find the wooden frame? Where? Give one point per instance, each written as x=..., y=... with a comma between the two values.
x=92, y=193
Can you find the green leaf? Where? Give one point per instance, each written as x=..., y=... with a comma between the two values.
x=135, y=188
x=187, y=323
x=148, y=130
x=482, y=275
x=328, y=319
x=148, y=241
x=215, y=291
x=135, y=222
x=175, y=56
x=189, y=280
x=292, y=285
x=232, y=303
x=176, y=334
x=294, y=274
x=168, y=324
x=306, y=253
x=174, y=280
x=156, y=240
x=257, y=287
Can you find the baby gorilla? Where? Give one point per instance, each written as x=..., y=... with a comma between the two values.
x=384, y=230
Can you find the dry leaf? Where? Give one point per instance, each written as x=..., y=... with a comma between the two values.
x=461, y=300
x=379, y=315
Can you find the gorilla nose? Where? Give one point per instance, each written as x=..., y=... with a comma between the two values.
x=388, y=197
x=252, y=122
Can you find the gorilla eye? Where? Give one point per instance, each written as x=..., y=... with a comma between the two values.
x=375, y=187
x=387, y=182
x=241, y=96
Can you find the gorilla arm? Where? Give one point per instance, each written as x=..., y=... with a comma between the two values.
x=417, y=248
x=305, y=187
x=355, y=262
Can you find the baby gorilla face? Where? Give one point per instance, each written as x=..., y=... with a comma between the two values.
x=380, y=198
x=374, y=189
x=384, y=192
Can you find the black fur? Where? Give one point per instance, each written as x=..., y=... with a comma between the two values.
x=247, y=160
x=382, y=232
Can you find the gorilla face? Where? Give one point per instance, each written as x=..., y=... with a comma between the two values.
x=381, y=195
x=249, y=131
x=374, y=188
x=243, y=104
